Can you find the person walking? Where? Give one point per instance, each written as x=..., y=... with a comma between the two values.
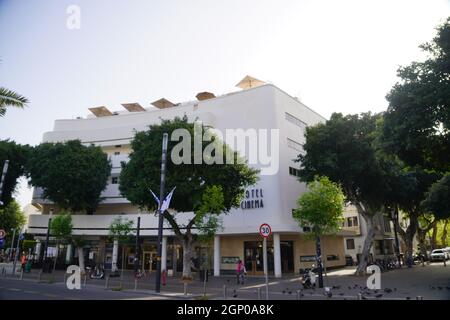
x=23, y=260
x=240, y=272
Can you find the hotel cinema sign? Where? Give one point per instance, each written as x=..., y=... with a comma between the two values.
x=253, y=199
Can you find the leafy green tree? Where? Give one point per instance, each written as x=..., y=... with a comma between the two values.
x=9, y=98
x=342, y=149
x=11, y=217
x=321, y=208
x=17, y=156
x=120, y=231
x=437, y=200
x=72, y=175
x=61, y=228
x=417, y=121
x=192, y=181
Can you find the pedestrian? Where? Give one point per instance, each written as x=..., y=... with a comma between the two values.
x=240, y=272
x=23, y=260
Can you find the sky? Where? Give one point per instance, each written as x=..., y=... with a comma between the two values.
x=335, y=56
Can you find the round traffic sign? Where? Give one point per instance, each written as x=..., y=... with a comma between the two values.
x=265, y=230
x=2, y=233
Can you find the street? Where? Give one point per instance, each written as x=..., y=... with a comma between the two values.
x=428, y=282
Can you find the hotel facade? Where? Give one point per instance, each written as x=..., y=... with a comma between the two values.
x=257, y=106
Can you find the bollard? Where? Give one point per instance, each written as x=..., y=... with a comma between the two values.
x=185, y=288
x=419, y=298
x=84, y=281
x=259, y=293
x=359, y=296
x=224, y=292
x=135, y=284
x=299, y=295
x=107, y=283
x=21, y=274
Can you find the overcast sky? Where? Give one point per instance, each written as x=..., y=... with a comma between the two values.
x=336, y=56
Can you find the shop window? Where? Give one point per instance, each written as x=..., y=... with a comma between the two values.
x=115, y=180
x=332, y=257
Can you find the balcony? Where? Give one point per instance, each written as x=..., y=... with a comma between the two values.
x=116, y=161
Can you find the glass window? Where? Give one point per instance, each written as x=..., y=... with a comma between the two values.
x=350, y=244
x=114, y=180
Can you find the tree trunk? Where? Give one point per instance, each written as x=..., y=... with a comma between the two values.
x=188, y=247
x=81, y=259
x=444, y=234
x=434, y=236
x=362, y=265
x=409, y=237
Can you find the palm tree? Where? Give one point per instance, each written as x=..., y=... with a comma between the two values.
x=9, y=98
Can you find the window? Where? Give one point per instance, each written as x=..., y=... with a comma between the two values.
x=350, y=243
x=116, y=153
x=352, y=222
x=307, y=258
x=114, y=180
x=294, y=172
x=299, y=123
x=332, y=257
x=387, y=224
x=118, y=146
x=295, y=145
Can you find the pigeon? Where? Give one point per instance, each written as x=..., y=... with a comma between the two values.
x=283, y=292
x=408, y=298
x=290, y=292
x=341, y=294
x=432, y=288
x=387, y=290
x=440, y=288
x=379, y=295
x=336, y=287
x=364, y=298
x=349, y=288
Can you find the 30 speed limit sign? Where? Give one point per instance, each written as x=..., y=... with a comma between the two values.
x=265, y=230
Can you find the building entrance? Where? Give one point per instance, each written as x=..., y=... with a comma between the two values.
x=149, y=260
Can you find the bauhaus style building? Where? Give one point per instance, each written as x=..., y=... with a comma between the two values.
x=258, y=106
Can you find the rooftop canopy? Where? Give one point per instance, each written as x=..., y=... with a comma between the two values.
x=162, y=103
x=101, y=111
x=249, y=82
x=133, y=107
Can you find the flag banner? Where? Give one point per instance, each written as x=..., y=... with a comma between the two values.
x=154, y=196
x=166, y=202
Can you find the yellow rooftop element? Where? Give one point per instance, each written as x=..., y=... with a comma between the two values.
x=249, y=82
x=133, y=107
x=205, y=95
x=101, y=111
x=162, y=103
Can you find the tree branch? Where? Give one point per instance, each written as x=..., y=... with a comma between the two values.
x=173, y=223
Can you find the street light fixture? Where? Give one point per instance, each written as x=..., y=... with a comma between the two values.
x=44, y=261
x=394, y=217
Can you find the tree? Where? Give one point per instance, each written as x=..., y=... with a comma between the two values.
x=9, y=98
x=342, y=149
x=192, y=181
x=321, y=208
x=71, y=174
x=437, y=199
x=11, y=217
x=120, y=231
x=17, y=155
x=417, y=121
x=61, y=228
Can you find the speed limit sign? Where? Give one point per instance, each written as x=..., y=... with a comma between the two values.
x=2, y=233
x=265, y=230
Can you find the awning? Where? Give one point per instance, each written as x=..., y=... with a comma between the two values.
x=133, y=107
x=205, y=95
x=101, y=111
x=162, y=103
x=249, y=82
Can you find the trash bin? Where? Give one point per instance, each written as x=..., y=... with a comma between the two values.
x=203, y=275
x=28, y=266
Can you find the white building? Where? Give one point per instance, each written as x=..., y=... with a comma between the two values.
x=258, y=106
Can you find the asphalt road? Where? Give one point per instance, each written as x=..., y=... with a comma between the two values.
x=13, y=289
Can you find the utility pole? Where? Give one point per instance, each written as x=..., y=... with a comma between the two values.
x=319, y=261
x=2, y=181
x=394, y=217
x=44, y=261
x=17, y=253
x=12, y=244
x=137, y=247
x=160, y=212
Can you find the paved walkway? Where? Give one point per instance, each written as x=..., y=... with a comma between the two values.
x=430, y=282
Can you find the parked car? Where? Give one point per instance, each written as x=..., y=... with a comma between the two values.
x=438, y=255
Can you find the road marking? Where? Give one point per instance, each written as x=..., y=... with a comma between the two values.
x=14, y=289
x=31, y=292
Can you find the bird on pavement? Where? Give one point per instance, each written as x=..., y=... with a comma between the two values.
x=379, y=295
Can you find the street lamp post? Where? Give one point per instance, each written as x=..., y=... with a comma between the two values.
x=160, y=212
x=12, y=244
x=44, y=261
x=394, y=216
x=137, y=247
